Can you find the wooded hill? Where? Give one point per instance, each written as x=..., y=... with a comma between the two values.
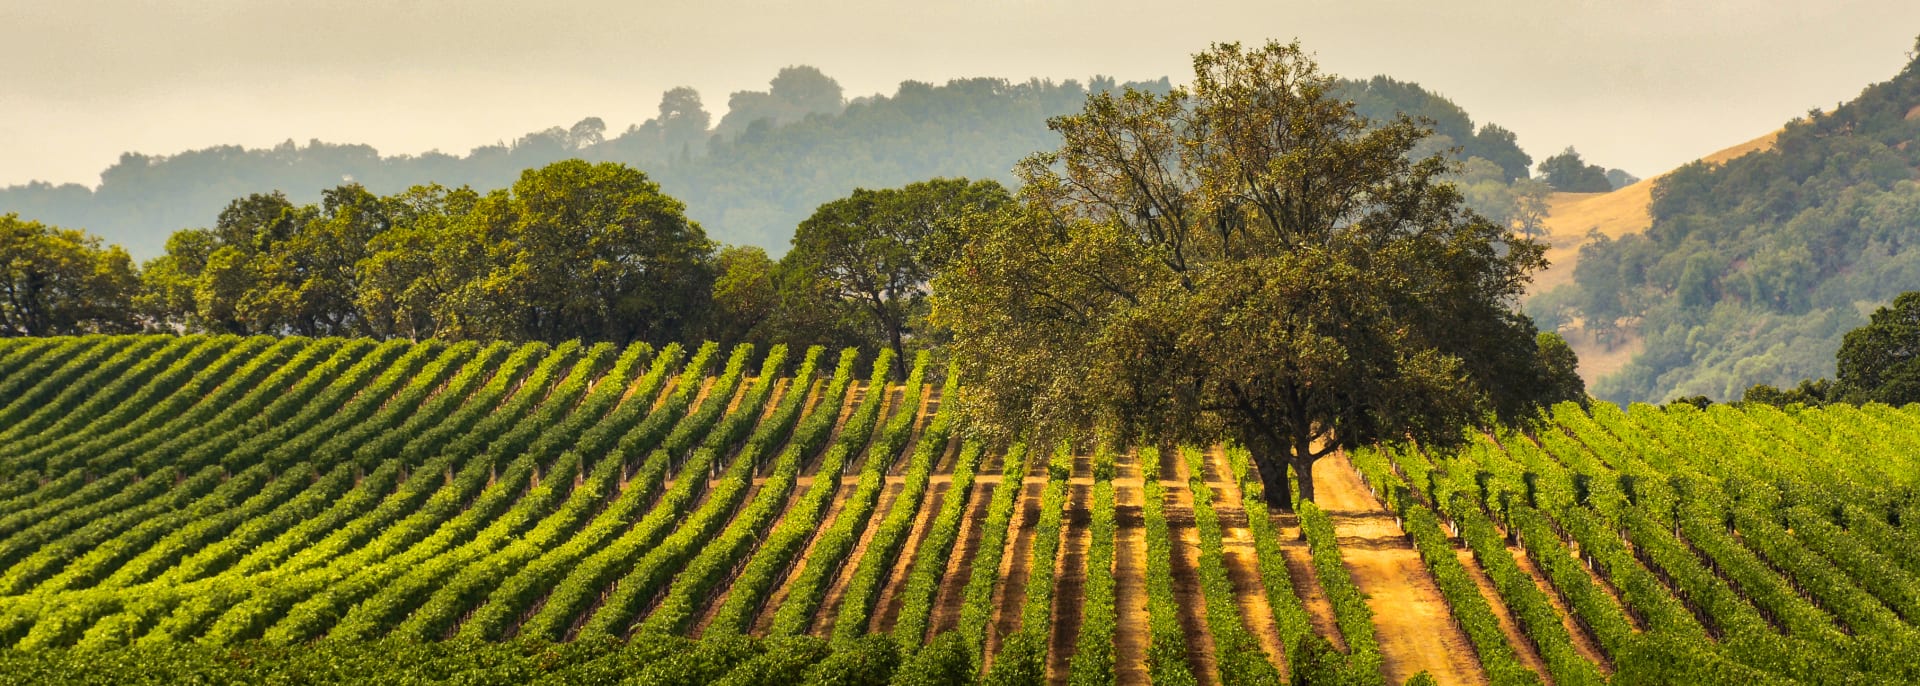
x=748, y=179
x=1753, y=269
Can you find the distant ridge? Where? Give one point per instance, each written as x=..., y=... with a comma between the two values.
x=1625, y=211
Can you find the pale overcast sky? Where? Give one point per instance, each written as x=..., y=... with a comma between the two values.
x=1638, y=84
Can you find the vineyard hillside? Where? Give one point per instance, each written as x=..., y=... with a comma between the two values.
x=225, y=509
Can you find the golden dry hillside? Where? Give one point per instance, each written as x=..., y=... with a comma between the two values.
x=1570, y=218
x=1571, y=215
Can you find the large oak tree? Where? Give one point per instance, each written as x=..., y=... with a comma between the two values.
x=1242, y=259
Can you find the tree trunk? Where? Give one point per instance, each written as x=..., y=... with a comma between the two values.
x=1304, y=467
x=1302, y=461
x=1273, y=471
x=899, y=353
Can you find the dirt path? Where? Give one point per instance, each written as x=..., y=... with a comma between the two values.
x=700, y=397
x=887, y=609
x=1186, y=570
x=946, y=603
x=740, y=392
x=1242, y=561
x=1522, y=647
x=1306, y=580
x=1014, y=563
x=1130, y=574
x=940, y=483
x=889, y=403
x=1414, y=626
x=830, y=603
x=1606, y=585
x=856, y=393
x=718, y=596
x=764, y=622
x=923, y=417
x=1070, y=581
x=1583, y=641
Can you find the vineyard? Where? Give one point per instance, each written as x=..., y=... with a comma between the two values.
x=221, y=509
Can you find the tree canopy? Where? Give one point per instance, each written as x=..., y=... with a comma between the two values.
x=572, y=250
x=745, y=184
x=61, y=281
x=1567, y=172
x=875, y=251
x=1248, y=258
x=1880, y=362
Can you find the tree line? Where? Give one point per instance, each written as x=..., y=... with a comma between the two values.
x=572, y=250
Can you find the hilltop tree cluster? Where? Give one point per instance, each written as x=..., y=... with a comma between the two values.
x=61, y=280
x=573, y=250
x=748, y=178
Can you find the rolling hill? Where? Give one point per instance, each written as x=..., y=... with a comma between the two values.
x=1572, y=217
x=226, y=509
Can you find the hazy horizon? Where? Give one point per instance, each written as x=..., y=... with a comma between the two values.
x=1642, y=85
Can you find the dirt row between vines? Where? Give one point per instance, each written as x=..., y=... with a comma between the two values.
x=718, y=597
x=1017, y=558
x=886, y=609
x=1130, y=573
x=763, y=622
x=1242, y=561
x=1186, y=568
x=1070, y=577
x=1411, y=619
x=947, y=603
x=830, y=606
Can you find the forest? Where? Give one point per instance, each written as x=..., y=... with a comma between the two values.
x=748, y=178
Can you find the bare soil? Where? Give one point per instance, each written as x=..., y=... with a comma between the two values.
x=940, y=482
x=856, y=393
x=1411, y=619
x=830, y=604
x=923, y=416
x=1242, y=561
x=946, y=603
x=718, y=596
x=1583, y=641
x=1508, y=625
x=1306, y=581
x=1014, y=563
x=1130, y=574
x=1186, y=575
x=887, y=609
x=764, y=622
x=1070, y=579
x=1601, y=581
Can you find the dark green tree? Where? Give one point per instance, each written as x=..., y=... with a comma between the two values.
x=1245, y=259
x=876, y=250
x=1567, y=173
x=1560, y=371
x=744, y=294
x=409, y=280
x=1810, y=392
x=62, y=281
x=1880, y=362
x=590, y=251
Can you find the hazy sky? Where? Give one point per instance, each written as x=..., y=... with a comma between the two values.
x=1639, y=84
